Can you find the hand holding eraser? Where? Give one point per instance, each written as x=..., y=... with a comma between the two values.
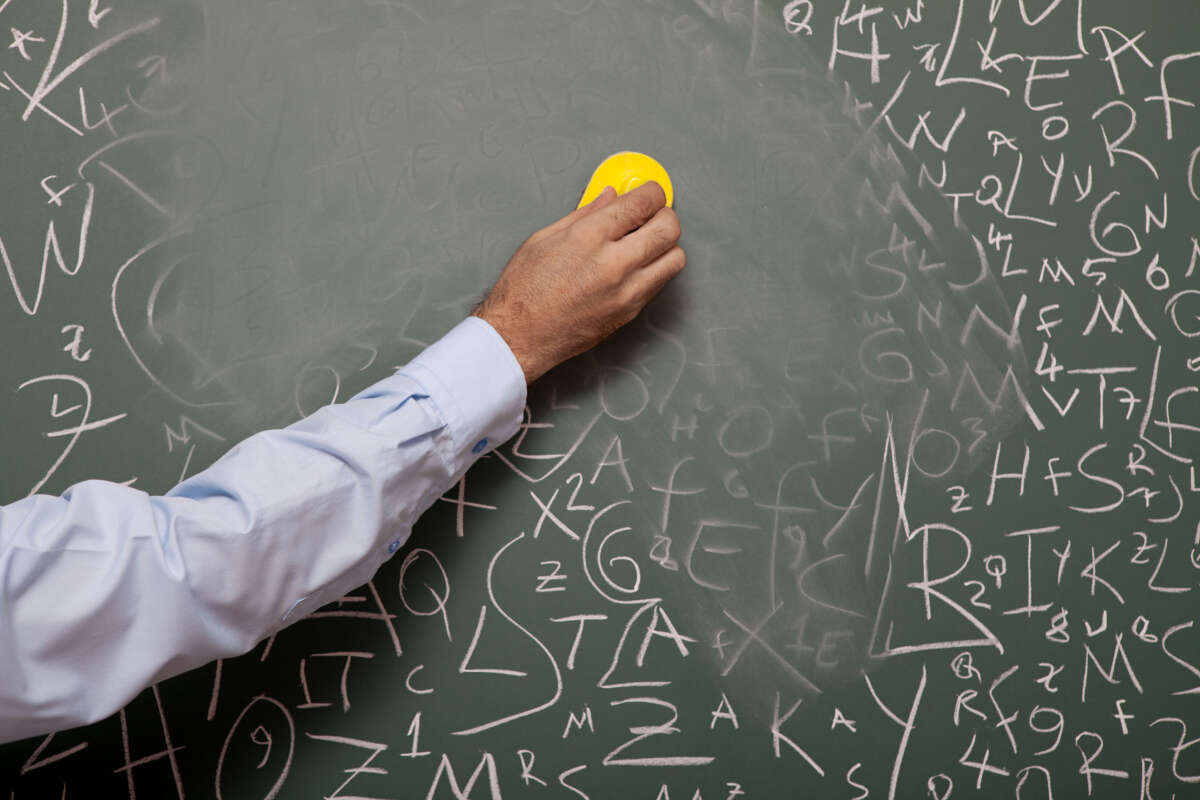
x=625, y=171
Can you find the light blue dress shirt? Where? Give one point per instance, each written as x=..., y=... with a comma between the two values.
x=106, y=590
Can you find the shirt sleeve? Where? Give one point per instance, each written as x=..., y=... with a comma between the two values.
x=106, y=589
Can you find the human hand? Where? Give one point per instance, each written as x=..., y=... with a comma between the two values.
x=574, y=282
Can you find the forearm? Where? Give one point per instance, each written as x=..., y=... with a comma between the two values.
x=106, y=589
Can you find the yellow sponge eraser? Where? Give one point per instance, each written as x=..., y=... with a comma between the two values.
x=625, y=171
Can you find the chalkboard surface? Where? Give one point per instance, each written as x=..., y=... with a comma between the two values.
x=891, y=494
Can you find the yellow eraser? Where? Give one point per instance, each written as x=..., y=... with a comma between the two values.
x=624, y=171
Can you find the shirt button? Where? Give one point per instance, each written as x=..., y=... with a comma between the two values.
x=479, y=446
x=393, y=547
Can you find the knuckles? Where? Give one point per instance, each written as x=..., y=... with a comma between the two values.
x=659, y=243
x=571, y=285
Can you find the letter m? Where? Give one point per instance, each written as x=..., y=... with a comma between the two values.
x=1114, y=316
x=581, y=721
x=464, y=793
x=1007, y=381
x=1110, y=674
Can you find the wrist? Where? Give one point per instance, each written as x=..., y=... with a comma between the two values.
x=529, y=363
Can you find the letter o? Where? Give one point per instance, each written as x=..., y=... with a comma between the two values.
x=1048, y=122
x=766, y=432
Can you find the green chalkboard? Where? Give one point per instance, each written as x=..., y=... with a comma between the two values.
x=891, y=494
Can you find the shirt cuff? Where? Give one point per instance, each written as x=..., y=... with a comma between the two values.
x=478, y=387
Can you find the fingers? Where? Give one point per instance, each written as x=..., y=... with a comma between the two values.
x=644, y=284
x=603, y=199
x=651, y=240
x=630, y=211
x=606, y=194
